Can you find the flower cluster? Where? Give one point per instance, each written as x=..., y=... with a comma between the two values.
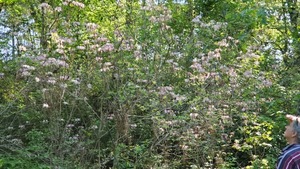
x=106, y=67
x=22, y=48
x=74, y=3
x=197, y=66
x=55, y=62
x=26, y=70
x=45, y=5
x=78, y=4
x=92, y=27
x=108, y=47
x=216, y=26
x=174, y=64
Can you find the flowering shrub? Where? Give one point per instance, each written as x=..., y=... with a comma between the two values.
x=143, y=96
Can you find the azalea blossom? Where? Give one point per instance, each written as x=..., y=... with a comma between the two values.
x=70, y=125
x=267, y=83
x=248, y=73
x=194, y=115
x=197, y=19
x=27, y=67
x=45, y=105
x=44, y=5
x=37, y=79
x=94, y=127
x=51, y=80
x=78, y=4
x=22, y=48
x=91, y=26
x=60, y=51
x=107, y=47
x=80, y=47
x=25, y=73
x=58, y=9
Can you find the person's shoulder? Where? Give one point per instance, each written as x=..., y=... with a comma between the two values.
x=293, y=147
x=290, y=157
x=293, y=153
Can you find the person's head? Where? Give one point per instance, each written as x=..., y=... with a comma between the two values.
x=292, y=131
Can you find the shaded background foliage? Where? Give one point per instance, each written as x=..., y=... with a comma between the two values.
x=150, y=84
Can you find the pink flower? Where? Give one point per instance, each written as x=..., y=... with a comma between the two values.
x=70, y=125
x=26, y=73
x=98, y=59
x=267, y=83
x=194, y=115
x=102, y=39
x=78, y=4
x=80, y=47
x=232, y=72
x=107, y=64
x=63, y=85
x=142, y=81
x=44, y=5
x=64, y=77
x=198, y=67
x=248, y=73
x=86, y=42
x=164, y=90
x=153, y=19
x=91, y=26
x=94, y=46
x=133, y=126
x=60, y=51
x=62, y=63
x=94, y=127
x=206, y=100
x=146, y=8
x=37, y=79
x=51, y=80
x=58, y=9
x=223, y=43
x=22, y=48
x=107, y=47
x=41, y=57
x=75, y=81
x=27, y=67
x=197, y=19
x=56, y=62
x=45, y=105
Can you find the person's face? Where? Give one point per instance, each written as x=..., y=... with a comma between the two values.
x=289, y=132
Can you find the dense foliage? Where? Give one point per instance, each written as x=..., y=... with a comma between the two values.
x=146, y=84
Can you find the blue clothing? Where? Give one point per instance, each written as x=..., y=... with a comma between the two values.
x=289, y=157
